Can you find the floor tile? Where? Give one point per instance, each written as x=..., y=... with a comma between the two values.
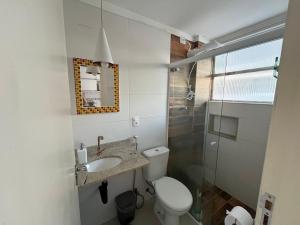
x=146, y=216
x=215, y=204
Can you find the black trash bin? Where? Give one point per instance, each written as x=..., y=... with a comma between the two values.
x=126, y=203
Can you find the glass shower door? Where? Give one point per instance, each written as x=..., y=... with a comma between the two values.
x=193, y=152
x=217, y=138
x=246, y=90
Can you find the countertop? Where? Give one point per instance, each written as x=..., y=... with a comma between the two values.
x=125, y=149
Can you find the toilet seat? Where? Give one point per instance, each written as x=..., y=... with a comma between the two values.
x=173, y=194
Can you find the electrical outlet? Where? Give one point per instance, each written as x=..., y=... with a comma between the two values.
x=136, y=121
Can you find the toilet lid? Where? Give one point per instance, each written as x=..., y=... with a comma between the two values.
x=173, y=194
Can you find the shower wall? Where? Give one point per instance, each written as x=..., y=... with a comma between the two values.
x=186, y=117
x=184, y=120
x=184, y=124
x=187, y=122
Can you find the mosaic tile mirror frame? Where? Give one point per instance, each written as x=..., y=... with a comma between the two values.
x=96, y=93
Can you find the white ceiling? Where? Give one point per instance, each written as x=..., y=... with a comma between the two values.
x=207, y=18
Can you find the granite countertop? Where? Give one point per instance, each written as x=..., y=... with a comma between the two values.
x=124, y=149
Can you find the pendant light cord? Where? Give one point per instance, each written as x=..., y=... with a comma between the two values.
x=101, y=15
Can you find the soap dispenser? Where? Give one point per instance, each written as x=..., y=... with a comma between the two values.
x=82, y=154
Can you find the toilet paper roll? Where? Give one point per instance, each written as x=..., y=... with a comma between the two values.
x=239, y=216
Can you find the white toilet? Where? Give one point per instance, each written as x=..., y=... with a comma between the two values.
x=173, y=199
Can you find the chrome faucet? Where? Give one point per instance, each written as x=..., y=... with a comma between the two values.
x=99, y=150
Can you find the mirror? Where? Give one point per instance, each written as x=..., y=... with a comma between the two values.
x=97, y=92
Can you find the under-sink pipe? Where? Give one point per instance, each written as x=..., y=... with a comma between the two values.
x=152, y=191
x=134, y=189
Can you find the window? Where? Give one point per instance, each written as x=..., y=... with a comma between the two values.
x=247, y=74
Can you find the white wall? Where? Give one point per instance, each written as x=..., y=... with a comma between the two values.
x=240, y=162
x=142, y=53
x=281, y=168
x=36, y=150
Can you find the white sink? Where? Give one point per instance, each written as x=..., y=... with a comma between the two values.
x=103, y=164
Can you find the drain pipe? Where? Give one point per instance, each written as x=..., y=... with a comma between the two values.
x=134, y=189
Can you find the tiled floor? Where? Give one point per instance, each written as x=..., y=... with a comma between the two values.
x=145, y=216
x=215, y=204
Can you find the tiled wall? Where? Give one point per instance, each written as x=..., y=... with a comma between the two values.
x=142, y=53
x=186, y=117
x=182, y=139
x=187, y=120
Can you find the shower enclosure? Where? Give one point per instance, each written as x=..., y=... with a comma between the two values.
x=219, y=113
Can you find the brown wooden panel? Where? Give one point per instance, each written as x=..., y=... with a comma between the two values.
x=178, y=50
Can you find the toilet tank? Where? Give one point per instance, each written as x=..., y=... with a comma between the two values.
x=157, y=168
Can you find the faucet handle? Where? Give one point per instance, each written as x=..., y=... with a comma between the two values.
x=136, y=142
x=100, y=138
x=99, y=150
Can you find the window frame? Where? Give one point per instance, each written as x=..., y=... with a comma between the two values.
x=239, y=72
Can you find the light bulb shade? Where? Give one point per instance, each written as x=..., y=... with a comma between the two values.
x=103, y=53
x=95, y=70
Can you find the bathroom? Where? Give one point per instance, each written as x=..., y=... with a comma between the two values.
x=187, y=127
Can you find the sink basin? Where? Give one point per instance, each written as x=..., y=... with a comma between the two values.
x=103, y=164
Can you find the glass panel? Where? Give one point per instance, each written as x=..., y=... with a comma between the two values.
x=256, y=87
x=243, y=128
x=210, y=193
x=203, y=132
x=193, y=151
x=220, y=63
x=225, y=127
x=262, y=55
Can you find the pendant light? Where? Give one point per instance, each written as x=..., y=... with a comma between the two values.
x=102, y=55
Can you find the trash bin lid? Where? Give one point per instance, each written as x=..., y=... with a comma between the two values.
x=126, y=200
